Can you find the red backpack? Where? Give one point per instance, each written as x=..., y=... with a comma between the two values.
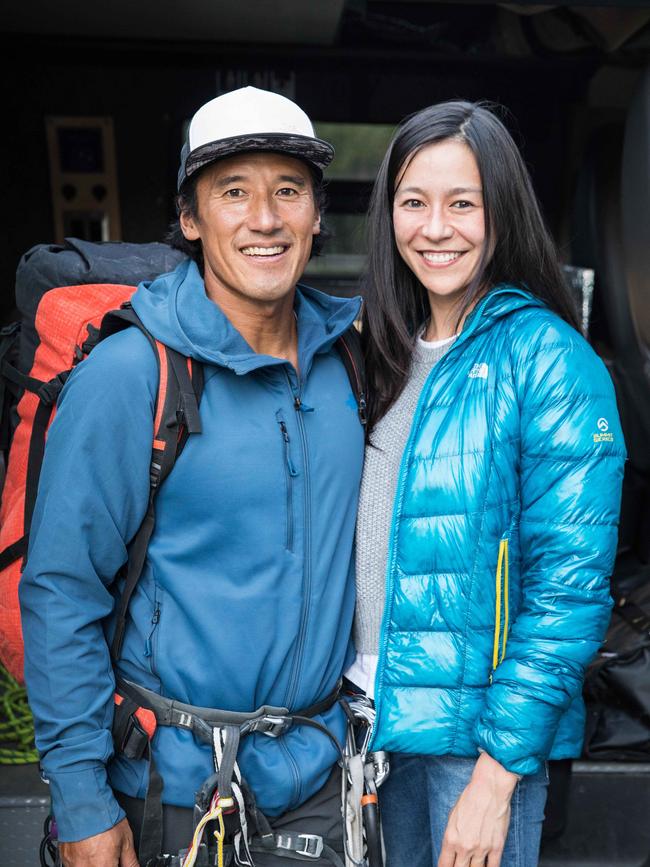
x=60, y=325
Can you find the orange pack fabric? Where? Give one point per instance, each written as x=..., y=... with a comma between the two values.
x=62, y=321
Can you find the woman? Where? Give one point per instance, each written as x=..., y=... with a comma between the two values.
x=490, y=497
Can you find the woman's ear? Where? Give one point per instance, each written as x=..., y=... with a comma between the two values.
x=316, y=228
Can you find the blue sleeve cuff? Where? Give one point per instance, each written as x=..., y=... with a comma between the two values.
x=83, y=803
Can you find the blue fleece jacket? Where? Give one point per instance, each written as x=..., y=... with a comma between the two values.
x=247, y=593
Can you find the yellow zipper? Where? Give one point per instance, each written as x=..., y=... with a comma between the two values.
x=501, y=589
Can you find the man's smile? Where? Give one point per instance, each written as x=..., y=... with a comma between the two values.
x=265, y=252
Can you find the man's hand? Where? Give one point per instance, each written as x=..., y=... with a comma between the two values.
x=478, y=824
x=112, y=848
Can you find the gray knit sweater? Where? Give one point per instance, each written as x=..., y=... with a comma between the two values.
x=377, y=495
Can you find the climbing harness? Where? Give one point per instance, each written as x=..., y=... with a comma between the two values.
x=225, y=808
x=229, y=828
x=224, y=797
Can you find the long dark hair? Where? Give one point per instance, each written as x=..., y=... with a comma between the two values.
x=524, y=255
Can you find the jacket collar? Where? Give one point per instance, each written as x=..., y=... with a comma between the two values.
x=177, y=311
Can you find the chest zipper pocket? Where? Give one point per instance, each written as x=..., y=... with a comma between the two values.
x=290, y=473
x=151, y=638
x=502, y=612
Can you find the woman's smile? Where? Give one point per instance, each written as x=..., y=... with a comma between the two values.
x=441, y=258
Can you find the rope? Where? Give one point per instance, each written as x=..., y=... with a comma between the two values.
x=16, y=723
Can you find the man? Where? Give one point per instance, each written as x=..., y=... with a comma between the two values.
x=246, y=597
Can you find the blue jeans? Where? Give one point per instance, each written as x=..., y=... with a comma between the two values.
x=419, y=794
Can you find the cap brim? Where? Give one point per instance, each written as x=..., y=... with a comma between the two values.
x=315, y=151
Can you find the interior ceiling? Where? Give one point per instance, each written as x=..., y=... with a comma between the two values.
x=274, y=21
x=305, y=22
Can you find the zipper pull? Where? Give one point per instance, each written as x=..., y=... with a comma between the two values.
x=287, y=451
x=154, y=620
x=299, y=406
x=363, y=409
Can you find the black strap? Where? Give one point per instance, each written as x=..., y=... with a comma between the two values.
x=132, y=741
x=188, y=407
x=162, y=461
x=22, y=380
x=296, y=846
x=42, y=418
x=151, y=829
x=351, y=352
x=128, y=736
x=176, y=714
x=13, y=552
x=197, y=382
x=226, y=770
x=179, y=418
x=135, y=565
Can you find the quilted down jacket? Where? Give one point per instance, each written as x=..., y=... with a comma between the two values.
x=503, y=538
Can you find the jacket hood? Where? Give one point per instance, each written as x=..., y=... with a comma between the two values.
x=500, y=301
x=176, y=310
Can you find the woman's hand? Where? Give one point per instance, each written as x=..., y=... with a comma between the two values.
x=478, y=824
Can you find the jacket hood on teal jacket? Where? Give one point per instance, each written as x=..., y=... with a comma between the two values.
x=503, y=539
x=247, y=595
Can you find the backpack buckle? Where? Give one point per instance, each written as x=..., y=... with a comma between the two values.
x=49, y=392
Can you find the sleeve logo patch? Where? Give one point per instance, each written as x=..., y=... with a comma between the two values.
x=605, y=436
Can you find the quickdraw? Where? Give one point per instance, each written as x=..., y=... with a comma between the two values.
x=364, y=773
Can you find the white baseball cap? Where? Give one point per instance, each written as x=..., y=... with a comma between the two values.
x=250, y=119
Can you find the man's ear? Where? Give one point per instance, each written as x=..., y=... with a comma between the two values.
x=188, y=226
x=316, y=228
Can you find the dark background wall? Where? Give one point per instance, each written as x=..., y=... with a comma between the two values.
x=149, y=89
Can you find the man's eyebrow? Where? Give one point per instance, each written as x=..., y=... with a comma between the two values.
x=229, y=179
x=297, y=180
x=293, y=179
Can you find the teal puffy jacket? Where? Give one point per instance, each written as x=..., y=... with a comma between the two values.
x=503, y=538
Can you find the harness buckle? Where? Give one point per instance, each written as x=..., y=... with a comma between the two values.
x=272, y=726
x=313, y=847
x=136, y=741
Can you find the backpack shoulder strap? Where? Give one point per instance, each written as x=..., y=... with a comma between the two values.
x=180, y=386
x=351, y=352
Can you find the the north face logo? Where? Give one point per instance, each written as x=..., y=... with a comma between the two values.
x=479, y=371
